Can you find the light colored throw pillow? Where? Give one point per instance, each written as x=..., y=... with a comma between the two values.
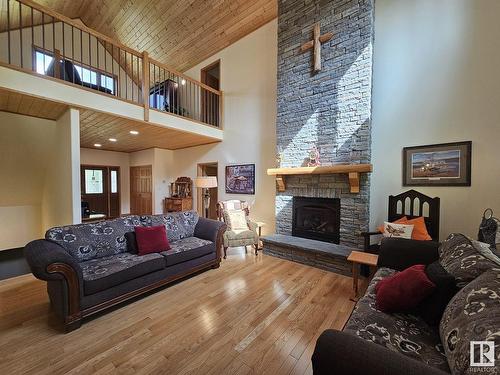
x=397, y=230
x=236, y=219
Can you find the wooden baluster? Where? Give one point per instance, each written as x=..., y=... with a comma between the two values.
x=8, y=30
x=73, y=52
x=126, y=75
x=145, y=84
x=81, y=55
x=43, y=40
x=21, y=32
x=105, y=63
x=33, y=65
x=90, y=59
x=57, y=66
x=119, y=84
x=63, y=48
x=132, y=72
x=113, y=68
x=221, y=110
x=164, y=83
x=98, y=65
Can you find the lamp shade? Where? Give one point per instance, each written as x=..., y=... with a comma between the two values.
x=205, y=182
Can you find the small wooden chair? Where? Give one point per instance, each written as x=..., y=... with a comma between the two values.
x=411, y=204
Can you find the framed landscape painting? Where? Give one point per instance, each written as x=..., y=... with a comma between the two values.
x=446, y=164
x=240, y=179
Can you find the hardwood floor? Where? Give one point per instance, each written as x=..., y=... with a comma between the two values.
x=253, y=315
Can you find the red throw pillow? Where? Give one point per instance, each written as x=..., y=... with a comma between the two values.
x=151, y=239
x=404, y=290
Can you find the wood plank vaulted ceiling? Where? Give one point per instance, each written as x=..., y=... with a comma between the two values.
x=179, y=33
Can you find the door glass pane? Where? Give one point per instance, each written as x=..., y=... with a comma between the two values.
x=114, y=181
x=93, y=181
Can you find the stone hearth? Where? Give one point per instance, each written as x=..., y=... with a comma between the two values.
x=319, y=254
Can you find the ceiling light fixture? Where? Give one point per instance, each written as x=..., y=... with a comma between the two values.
x=97, y=145
x=112, y=139
x=134, y=132
x=183, y=82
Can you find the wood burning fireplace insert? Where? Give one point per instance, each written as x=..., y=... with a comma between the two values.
x=316, y=218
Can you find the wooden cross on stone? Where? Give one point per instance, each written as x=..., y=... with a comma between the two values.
x=318, y=39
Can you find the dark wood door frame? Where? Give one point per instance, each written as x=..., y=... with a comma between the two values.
x=107, y=184
x=208, y=100
x=200, y=171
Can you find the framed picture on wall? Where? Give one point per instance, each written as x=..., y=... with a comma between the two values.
x=445, y=164
x=240, y=179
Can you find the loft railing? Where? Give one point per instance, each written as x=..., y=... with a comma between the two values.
x=36, y=39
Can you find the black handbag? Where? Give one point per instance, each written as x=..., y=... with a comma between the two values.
x=489, y=230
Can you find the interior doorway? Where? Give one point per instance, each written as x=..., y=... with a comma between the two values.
x=210, y=76
x=141, y=190
x=207, y=169
x=100, y=187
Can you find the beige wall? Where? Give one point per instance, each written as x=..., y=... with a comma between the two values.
x=161, y=162
x=25, y=147
x=436, y=80
x=248, y=79
x=116, y=159
x=61, y=200
x=162, y=176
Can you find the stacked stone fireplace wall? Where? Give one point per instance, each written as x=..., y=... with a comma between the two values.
x=330, y=109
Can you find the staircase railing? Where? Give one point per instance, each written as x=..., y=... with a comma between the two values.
x=38, y=40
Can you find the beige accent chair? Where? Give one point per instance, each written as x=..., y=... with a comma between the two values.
x=241, y=231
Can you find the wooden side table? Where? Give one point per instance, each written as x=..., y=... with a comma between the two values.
x=357, y=258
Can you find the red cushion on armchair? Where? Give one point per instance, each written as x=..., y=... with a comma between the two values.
x=404, y=290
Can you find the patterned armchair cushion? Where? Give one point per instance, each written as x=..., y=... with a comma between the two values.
x=179, y=224
x=461, y=259
x=186, y=249
x=240, y=237
x=94, y=240
x=472, y=315
x=103, y=273
x=403, y=333
x=236, y=219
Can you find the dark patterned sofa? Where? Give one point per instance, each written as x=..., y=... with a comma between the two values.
x=90, y=267
x=373, y=342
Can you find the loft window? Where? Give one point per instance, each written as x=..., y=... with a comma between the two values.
x=93, y=77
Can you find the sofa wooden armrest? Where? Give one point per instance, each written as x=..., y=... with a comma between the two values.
x=50, y=262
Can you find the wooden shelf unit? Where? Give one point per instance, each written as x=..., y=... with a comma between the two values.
x=352, y=170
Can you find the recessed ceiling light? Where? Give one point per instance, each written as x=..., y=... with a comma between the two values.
x=97, y=145
x=112, y=139
x=134, y=132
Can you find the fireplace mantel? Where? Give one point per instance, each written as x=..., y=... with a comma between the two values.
x=352, y=170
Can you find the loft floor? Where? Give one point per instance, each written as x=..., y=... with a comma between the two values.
x=253, y=315
x=96, y=126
